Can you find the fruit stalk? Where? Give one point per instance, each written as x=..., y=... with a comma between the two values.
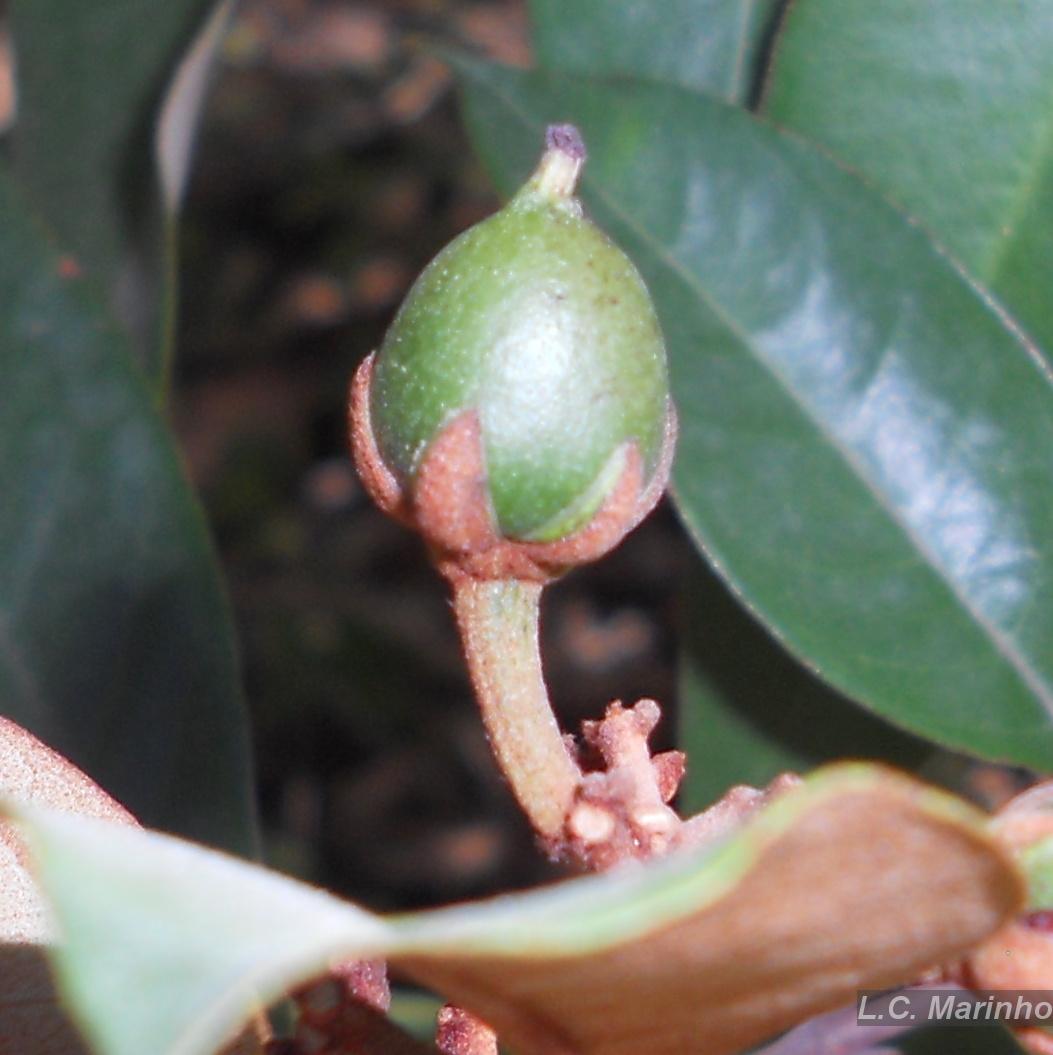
x=498, y=622
x=518, y=416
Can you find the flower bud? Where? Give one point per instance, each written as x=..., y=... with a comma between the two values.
x=518, y=411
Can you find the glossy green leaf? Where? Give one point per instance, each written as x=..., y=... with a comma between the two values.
x=749, y=711
x=92, y=78
x=712, y=45
x=949, y=109
x=845, y=882
x=116, y=644
x=864, y=444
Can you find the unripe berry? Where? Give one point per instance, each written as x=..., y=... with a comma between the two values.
x=518, y=410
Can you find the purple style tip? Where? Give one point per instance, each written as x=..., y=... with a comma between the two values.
x=566, y=139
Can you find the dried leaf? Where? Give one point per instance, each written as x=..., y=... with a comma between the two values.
x=31, y=772
x=861, y=877
x=31, y=1022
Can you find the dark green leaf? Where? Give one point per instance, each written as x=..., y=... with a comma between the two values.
x=750, y=711
x=115, y=639
x=961, y=1040
x=949, y=109
x=714, y=45
x=864, y=445
x=91, y=80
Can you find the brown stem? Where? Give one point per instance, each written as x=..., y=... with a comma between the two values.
x=459, y=1032
x=342, y=1013
x=498, y=621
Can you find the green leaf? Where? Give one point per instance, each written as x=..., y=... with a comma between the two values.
x=750, y=711
x=91, y=81
x=711, y=45
x=116, y=645
x=1037, y=862
x=949, y=109
x=858, y=878
x=864, y=444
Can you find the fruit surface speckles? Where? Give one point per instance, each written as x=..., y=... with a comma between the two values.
x=539, y=323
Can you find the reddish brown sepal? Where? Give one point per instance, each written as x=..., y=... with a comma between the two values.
x=376, y=477
x=450, y=507
x=450, y=504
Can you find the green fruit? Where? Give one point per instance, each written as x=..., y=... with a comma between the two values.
x=537, y=321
